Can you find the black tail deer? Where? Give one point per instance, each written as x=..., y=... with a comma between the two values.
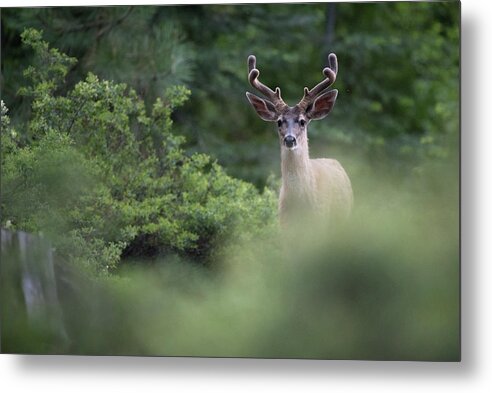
x=318, y=185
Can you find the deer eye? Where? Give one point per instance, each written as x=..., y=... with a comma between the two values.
x=302, y=122
x=279, y=122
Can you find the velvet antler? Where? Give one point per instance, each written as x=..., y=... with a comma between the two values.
x=273, y=96
x=330, y=74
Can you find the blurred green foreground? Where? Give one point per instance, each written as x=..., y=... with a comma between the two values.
x=385, y=287
x=118, y=239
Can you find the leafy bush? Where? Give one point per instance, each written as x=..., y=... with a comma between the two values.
x=104, y=177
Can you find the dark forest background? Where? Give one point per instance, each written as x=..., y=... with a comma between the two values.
x=398, y=77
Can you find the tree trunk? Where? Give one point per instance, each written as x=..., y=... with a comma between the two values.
x=329, y=31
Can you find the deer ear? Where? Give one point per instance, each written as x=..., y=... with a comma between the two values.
x=264, y=108
x=322, y=105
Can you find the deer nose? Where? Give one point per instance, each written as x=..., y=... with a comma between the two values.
x=290, y=141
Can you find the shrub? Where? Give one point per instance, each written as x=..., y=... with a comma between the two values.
x=106, y=178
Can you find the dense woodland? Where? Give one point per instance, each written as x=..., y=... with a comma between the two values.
x=398, y=69
x=127, y=140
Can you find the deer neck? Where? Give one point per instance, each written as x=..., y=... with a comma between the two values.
x=297, y=176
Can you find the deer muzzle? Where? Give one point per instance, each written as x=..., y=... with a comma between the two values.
x=290, y=141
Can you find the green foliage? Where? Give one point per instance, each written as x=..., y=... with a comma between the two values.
x=42, y=179
x=50, y=67
x=107, y=41
x=403, y=87
x=397, y=80
x=103, y=170
x=107, y=177
x=9, y=135
x=384, y=287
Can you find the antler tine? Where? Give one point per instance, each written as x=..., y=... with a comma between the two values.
x=251, y=63
x=333, y=62
x=330, y=74
x=253, y=75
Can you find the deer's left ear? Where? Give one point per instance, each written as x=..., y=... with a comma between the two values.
x=322, y=106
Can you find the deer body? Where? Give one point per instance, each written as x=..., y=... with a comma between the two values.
x=318, y=187
x=310, y=187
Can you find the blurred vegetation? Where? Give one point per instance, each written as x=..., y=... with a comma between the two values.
x=133, y=149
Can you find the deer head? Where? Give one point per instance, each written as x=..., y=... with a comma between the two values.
x=293, y=121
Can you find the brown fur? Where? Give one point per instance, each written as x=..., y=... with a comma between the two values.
x=310, y=187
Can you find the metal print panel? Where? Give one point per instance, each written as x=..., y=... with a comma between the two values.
x=265, y=180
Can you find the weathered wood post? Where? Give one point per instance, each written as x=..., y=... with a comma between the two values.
x=29, y=298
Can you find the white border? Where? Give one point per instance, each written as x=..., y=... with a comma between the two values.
x=473, y=374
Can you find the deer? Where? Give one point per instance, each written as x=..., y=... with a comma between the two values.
x=319, y=186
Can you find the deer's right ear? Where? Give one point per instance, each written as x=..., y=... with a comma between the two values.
x=264, y=108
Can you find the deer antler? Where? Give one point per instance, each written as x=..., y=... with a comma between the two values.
x=273, y=96
x=330, y=73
